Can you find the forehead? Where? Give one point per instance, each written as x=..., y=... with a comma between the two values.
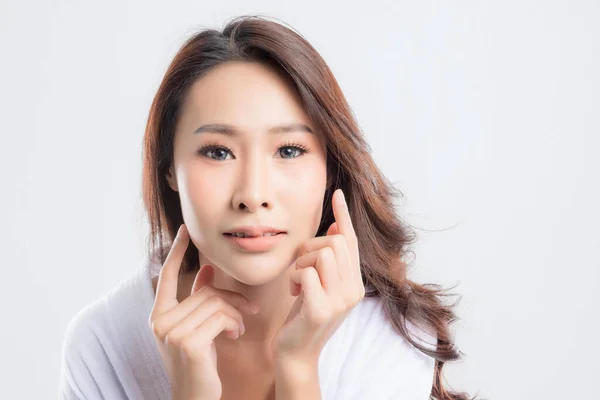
x=247, y=94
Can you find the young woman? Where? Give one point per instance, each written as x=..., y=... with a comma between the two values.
x=282, y=272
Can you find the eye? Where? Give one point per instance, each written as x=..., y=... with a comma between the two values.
x=292, y=148
x=218, y=152
x=216, y=149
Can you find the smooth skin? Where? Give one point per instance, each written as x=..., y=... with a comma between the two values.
x=185, y=331
x=304, y=286
x=326, y=281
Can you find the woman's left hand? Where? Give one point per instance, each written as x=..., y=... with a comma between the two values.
x=328, y=283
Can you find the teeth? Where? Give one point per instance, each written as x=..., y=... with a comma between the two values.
x=243, y=235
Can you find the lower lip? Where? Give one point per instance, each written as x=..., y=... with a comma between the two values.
x=259, y=243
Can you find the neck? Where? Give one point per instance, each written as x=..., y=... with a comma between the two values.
x=261, y=328
x=274, y=300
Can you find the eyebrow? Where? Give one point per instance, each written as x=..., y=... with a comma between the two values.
x=232, y=131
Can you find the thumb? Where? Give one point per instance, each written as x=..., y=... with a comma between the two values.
x=204, y=277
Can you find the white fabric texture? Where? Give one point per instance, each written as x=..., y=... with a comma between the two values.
x=109, y=352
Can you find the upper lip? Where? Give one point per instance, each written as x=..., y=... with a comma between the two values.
x=256, y=230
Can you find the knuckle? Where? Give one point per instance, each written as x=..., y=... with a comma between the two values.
x=339, y=240
x=151, y=321
x=172, y=339
x=224, y=307
x=219, y=317
x=305, y=273
x=304, y=249
x=159, y=330
x=216, y=301
x=326, y=253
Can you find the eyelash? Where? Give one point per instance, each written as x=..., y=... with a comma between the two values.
x=216, y=145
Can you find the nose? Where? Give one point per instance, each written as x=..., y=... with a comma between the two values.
x=253, y=185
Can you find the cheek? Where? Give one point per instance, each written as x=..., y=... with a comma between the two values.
x=202, y=195
x=305, y=196
x=309, y=175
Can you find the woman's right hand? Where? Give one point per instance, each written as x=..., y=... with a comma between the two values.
x=185, y=331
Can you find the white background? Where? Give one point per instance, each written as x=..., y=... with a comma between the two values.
x=485, y=115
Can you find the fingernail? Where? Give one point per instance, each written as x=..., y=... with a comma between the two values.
x=243, y=328
x=343, y=198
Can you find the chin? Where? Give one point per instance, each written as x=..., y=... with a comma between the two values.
x=255, y=270
x=256, y=273
x=252, y=269
x=255, y=280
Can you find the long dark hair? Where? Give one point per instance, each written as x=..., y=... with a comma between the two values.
x=384, y=239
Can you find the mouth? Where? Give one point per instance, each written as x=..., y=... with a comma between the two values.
x=246, y=236
x=255, y=244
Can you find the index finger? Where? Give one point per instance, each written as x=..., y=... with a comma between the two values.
x=166, y=289
x=342, y=217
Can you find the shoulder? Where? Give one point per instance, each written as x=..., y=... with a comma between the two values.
x=91, y=327
x=369, y=358
x=87, y=330
x=369, y=324
x=108, y=345
x=83, y=344
x=370, y=317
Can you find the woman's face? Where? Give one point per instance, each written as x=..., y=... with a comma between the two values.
x=247, y=172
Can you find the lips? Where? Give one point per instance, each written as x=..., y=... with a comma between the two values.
x=244, y=235
x=256, y=243
x=254, y=231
